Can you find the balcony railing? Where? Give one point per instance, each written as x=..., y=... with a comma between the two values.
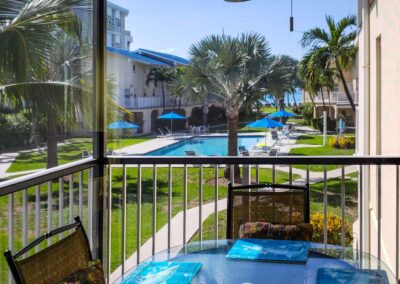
x=143, y=102
x=335, y=98
x=154, y=203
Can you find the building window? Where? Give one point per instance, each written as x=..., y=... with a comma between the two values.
x=118, y=22
x=109, y=20
x=144, y=94
x=134, y=68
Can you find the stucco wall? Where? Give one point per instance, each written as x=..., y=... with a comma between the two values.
x=380, y=134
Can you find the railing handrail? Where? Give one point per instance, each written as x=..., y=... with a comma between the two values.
x=27, y=181
x=285, y=160
x=30, y=180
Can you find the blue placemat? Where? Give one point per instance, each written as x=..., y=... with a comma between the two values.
x=163, y=272
x=270, y=250
x=343, y=276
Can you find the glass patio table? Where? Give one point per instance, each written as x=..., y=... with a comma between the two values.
x=216, y=268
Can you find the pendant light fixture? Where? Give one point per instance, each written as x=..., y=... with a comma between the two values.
x=291, y=16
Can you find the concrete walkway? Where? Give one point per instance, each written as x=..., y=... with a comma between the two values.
x=148, y=146
x=6, y=159
x=192, y=218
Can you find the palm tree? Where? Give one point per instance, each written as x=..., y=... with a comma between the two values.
x=234, y=70
x=337, y=44
x=31, y=77
x=162, y=76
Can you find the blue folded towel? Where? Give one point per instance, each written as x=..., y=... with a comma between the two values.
x=341, y=275
x=270, y=250
x=163, y=272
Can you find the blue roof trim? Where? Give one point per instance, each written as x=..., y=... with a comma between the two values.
x=169, y=57
x=137, y=57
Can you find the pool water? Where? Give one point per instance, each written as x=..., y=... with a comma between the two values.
x=205, y=146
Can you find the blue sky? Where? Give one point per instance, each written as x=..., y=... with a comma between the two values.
x=174, y=25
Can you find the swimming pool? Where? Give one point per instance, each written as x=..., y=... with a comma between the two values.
x=205, y=146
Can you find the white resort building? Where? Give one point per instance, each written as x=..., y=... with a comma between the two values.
x=128, y=71
x=117, y=35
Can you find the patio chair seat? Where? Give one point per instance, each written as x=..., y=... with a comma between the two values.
x=57, y=262
x=265, y=230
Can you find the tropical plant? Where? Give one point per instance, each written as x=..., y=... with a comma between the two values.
x=234, y=70
x=161, y=75
x=335, y=46
x=334, y=229
x=33, y=72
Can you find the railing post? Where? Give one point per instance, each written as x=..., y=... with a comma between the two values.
x=154, y=215
x=139, y=213
x=11, y=210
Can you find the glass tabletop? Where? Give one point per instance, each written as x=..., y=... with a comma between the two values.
x=216, y=268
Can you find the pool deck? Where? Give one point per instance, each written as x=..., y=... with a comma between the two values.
x=148, y=146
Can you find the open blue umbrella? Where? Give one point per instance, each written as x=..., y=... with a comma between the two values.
x=265, y=123
x=122, y=125
x=171, y=116
x=282, y=113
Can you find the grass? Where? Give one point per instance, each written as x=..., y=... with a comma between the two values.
x=162, y=200
x=316, y=206
x=69, y=152
x=317, y=151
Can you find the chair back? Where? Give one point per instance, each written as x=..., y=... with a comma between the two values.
x=54, y=263
x=276, y=204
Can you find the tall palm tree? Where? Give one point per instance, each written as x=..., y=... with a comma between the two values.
x=234, y=70
x=31, y=78
x=161, y=75
x=337, y=44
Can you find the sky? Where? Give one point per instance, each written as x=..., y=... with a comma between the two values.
x=173, y=26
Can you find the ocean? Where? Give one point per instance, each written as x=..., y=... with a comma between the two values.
x=298, y=96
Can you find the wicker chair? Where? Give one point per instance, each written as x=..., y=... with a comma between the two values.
x=54, y=263
x=275, y=204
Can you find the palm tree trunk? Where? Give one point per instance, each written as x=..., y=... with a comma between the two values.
x=180, y=102
x=52, y=160
x=346, y=89
x=163, y=95
x=233, y=118
x=323, y=99
x=294, y=99
x=205, y=113
x=329, y=101
x=312, y=100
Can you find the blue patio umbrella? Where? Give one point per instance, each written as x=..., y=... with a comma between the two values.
x=265, y=123
x=172, y=116
x=122, y=125
x=282, y=113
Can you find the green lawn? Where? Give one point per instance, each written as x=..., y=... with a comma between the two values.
x=162, y=200
x=69, y=152
x=317, y=151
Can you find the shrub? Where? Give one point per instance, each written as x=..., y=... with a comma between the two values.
x=342, y=142
x=15, y=130
x=318, y=123
x=334, y=229
x=307, y=111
